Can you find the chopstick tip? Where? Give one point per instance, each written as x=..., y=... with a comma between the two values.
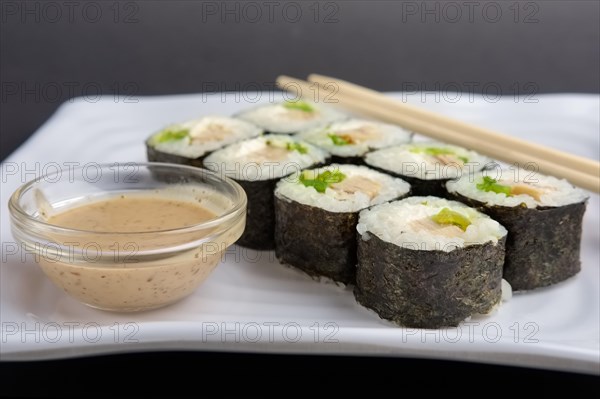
x=283, y=80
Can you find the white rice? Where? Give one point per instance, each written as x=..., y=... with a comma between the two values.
x=276, y=118
x=382, y=135
x=557, y=192
x=239, y=161
x=507, y=292
x=392, y=222
x=291, y=189
x=405, y=160
x=199, y=142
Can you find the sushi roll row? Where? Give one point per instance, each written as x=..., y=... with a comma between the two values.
x=426, y=261
x=425, y=231
x=191, y=141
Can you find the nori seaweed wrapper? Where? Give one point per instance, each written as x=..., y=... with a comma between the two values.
x=428, y=289
x=155, y=155
x=543, y=245
x=319, y=242
x=276, y=132
x=421, y=187
x=352, y=160
x=260, y=217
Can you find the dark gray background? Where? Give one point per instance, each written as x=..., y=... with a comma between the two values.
x=51, y=51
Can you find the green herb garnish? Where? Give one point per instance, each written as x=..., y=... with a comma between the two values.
x=322, y=180
x=447, y=216
x=488, y=184
x=292, y=146
x=171, y=135
x=338, y=140
x=433, y=151
x=288, y=145
x=299, y=105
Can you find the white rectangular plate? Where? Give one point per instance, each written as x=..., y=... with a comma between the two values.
x=250, y=302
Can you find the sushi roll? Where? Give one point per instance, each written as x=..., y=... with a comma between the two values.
x=427, y=166
x=543, y=216
x=291, y=116
x=427, y=262
x=189, y=142
x=316, y=212
x=257, y=164
x=348, y=141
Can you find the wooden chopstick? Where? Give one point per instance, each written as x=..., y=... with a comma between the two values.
x=443, y=133
x=581, y=164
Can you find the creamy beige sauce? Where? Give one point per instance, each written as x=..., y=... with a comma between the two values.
x=127, y=214
x=114, y=274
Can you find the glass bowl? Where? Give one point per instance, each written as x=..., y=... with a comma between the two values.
x=127, y=271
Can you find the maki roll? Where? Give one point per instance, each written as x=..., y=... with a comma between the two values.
x=543, y=216
x=291, y=116
x=347, y=141
x=427, y=262
x=189, y=142
x=316, y=212
x=427, y=166
x=257, y=164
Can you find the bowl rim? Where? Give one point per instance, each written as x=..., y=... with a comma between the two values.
x=238, y=204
